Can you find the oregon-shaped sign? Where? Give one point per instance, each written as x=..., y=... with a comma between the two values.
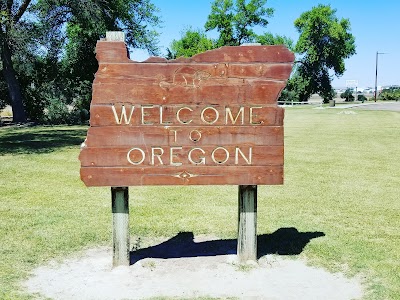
x=212, y=119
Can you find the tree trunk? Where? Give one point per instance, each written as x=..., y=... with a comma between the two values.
x=14, y=88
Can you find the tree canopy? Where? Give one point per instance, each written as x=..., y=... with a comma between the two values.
x=47, y=47
x=234, y=21
x=192, y=41
x=270, y=39
x=324, y=43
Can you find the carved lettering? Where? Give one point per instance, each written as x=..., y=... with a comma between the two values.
x=145, y=114
x=151, y=114
x=123, y=115
x=201, y=159
x=131, y=153
x=178, y=118
x=228, y=113
x=176, y=156
x=175, y=135
x=172, y=156
x=248, y=159
x=252, y=116
x=222, y=161
x=195, y=135
x=162, y=122
x=158, y=155
x=216, y=115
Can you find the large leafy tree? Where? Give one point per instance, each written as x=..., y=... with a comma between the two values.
x=47, y=46
x=137, y=18
x=324, y=43
x=234, y=21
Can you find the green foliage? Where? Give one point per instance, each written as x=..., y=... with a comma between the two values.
x=362, y=98
x=348, y=95
x=288, y=96
x=324, y=43
x=269, y=39
x=85, y=24
x=234, y=22
x=298, y=87
x=57, y=112
x=391, y=93
x=191, y=43
x=39, y=80
x=52, y=48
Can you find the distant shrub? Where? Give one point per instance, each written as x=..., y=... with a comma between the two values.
x=392, y=93
x=361, y=98
x=57, y=112
x=288, y=96
x=347, y=95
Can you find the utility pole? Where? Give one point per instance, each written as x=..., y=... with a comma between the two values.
x=376, y=74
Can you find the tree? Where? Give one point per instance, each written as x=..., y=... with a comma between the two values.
x=86, y=22
x=299, y=86
x=47, y=46
x=348, y=95
x=191, y=43
x=10, y=23
x=361, y=98
x=235, y=22
x=232, y=21
x=269, y=39
x=324, y=43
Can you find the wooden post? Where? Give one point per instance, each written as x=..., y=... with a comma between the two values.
x=118, y=36
x=120, y=219
x=247, y=223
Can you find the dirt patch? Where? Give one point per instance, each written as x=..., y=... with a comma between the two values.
x=90, y=276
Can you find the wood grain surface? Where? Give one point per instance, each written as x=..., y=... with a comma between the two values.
x=211, y=119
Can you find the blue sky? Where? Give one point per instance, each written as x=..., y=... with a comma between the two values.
x=375, y=25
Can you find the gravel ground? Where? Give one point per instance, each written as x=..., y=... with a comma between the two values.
x=89, y=275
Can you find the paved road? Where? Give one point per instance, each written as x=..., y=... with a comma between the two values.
x=392, y=106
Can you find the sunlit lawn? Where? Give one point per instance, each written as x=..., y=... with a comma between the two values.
x=342, y=178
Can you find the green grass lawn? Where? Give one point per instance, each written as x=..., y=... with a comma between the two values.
x=342, y=178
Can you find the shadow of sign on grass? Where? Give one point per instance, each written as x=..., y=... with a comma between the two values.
x=284, y=241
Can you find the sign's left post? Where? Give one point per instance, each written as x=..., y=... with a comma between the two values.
x=120, y=203
x=120, y=220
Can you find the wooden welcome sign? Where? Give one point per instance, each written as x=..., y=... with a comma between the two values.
x=212, y=119
x=206, y=120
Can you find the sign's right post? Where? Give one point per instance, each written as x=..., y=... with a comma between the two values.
x=247, y=223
